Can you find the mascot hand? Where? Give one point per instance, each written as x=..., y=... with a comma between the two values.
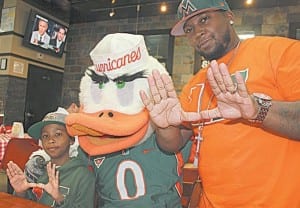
x=164, y=107
x=34, y=168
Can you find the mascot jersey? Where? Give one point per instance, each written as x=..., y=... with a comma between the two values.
x=243, y=165
x=115, y=131
x=140, y=177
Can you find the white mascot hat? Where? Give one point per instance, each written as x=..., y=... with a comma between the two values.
x=121, y=53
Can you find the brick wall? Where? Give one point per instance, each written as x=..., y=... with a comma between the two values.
x=13, y=93
x=83, y=37
x=15, y=102
x=3, y=92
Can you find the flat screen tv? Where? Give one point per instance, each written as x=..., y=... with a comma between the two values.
x=44, y=34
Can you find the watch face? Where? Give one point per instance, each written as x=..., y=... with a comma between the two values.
x=262, y=96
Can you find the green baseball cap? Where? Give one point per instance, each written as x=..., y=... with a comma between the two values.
x=190, y=8
x=51, y=118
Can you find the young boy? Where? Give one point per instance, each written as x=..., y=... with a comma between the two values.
x=68, y=182
x=35, y=167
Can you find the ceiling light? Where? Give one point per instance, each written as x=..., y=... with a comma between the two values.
x=163, y=7
x=112, y=13
x=113, y=1
x=249, y=2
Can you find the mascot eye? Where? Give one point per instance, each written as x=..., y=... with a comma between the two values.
x=120, y=84
x=101, y=85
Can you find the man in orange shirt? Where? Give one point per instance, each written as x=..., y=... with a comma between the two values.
x=244, y=109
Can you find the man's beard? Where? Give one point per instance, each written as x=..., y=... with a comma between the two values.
x=219, y=50
x=217, y=53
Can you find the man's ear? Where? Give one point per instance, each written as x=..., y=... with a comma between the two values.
x=73, y=108
x=81, y=108
x=72, y=140
x=230, y=16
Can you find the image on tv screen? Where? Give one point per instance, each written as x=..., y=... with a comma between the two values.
x=45, y=34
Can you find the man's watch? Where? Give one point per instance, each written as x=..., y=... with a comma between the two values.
x=264, y=103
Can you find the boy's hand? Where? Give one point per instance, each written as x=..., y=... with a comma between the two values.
x=52, y=187
x=17, y=178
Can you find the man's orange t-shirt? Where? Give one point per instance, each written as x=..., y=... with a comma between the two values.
x=242, y=165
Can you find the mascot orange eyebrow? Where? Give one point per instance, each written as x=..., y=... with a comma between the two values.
x=115, y=131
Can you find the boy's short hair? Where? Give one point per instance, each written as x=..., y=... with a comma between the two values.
x=51, y=118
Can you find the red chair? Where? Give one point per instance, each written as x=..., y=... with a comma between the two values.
x=18, y=150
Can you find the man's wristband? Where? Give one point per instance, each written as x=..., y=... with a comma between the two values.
x=264, y=103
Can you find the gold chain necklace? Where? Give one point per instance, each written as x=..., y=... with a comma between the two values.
x=236, y=48
x=199, y=137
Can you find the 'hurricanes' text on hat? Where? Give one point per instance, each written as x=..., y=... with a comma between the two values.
x=117, y=63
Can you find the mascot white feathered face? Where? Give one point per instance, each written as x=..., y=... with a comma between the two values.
x=112, y=116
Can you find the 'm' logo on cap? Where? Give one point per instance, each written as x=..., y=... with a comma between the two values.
x=186, y=8
x=119, y=62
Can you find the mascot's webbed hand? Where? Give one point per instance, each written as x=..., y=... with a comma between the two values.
x=163, y=104
x=35, y=167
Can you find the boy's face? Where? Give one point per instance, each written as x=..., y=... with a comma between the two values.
x=56, y=141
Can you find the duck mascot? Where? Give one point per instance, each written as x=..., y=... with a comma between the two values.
x=115, y=131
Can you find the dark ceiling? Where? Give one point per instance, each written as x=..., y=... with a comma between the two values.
x=77, y=11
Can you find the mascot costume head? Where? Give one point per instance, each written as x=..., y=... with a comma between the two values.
x=112, y=116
